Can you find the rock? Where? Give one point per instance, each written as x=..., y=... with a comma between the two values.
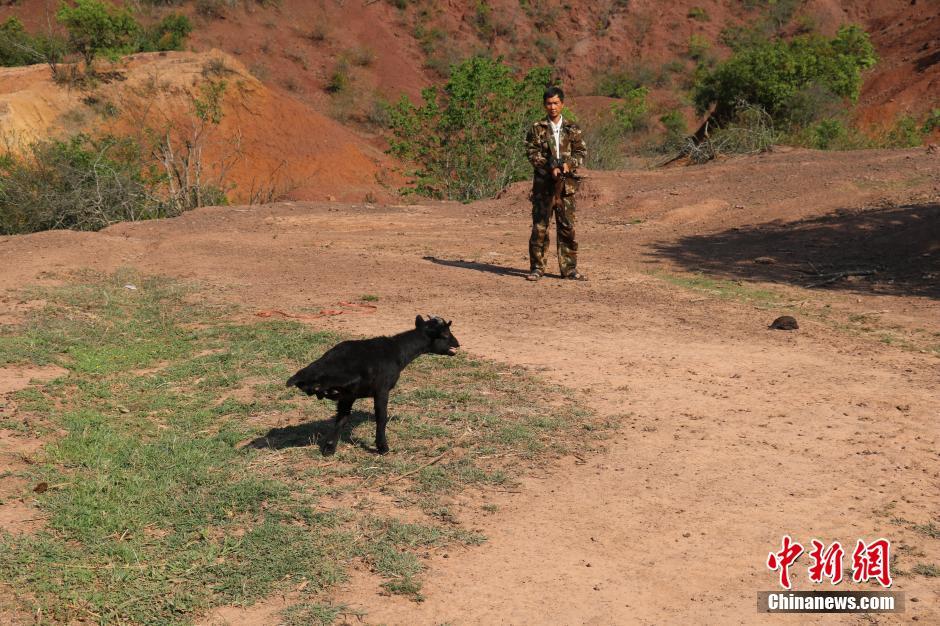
x=784, y=322
x=933, y=149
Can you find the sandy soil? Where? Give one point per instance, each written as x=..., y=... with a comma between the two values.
x=732, y=435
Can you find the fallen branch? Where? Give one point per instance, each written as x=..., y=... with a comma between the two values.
x=429, y=463
x=831, y=278
x=418, y=469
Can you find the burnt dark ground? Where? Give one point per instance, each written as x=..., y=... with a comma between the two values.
x=899, y=246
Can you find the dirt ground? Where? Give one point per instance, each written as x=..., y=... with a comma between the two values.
x=731, y=436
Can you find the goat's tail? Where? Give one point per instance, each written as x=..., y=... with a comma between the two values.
x=308, y=381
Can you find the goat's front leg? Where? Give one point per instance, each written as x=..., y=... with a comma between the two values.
x=343, y=409
x=381, y=419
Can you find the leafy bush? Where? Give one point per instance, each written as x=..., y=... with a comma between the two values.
x=906, y=133
x=84, y=184
x=932, y=122
x=619, y=83
x=831, y=133
x=467, y=137
x=97, y=28
x=608, y=139
x=772, y=75
x=633, y=113
x=698, y=47
x=339, y=78
x=828, y=134
x=699, y=14
x=676, y=129
x=170, y=33
x=741, y=37
x=674, y=122
x=607, y=147
x=17, y=47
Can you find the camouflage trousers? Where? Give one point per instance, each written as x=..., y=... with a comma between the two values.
x=542, y=210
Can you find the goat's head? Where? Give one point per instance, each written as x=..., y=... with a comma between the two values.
x=438, y=331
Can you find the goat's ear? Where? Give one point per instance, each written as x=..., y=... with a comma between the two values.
x=419, y=323
x=449, y=323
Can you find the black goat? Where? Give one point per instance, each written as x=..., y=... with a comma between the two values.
x=369, y=368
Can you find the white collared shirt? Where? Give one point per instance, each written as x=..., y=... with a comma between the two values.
x=557, y=132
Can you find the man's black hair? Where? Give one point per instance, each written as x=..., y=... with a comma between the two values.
x=553, y=91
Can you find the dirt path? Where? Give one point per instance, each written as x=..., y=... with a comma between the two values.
x=732, y=435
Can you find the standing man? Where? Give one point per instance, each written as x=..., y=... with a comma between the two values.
x=556, y=150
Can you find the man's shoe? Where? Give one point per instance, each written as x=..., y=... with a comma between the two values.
x=576, y=275
x=534, y=275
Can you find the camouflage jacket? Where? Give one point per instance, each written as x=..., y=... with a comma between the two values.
x=540, y=148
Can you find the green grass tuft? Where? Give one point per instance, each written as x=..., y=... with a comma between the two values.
x=723, y=289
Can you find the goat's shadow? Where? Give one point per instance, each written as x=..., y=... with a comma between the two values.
x=490, y=268
x=311, y=433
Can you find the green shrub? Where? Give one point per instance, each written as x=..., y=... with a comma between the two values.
x=609, y=138
x=339, y=78
x=906, y=133
x=97, y=28
x=751, y=131
x=740, y=37
x=607, y=147
x=699, y=47
x=466, y=138
x=170, y=33
x=772, y=75
x=827, y=134
x=17, y=47
x=633, y=113
x=699, y=14
x=676, y=129
x=483, y=20
x=82, y=183
x=831, y=133
x=619, y=83
x=932, y=122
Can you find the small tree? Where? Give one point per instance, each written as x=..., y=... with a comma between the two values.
x=776, y=75
x=467, y=138
x=97, y=28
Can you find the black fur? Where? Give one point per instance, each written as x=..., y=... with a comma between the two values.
x=369, y=368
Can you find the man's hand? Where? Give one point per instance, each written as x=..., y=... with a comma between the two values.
x=556, y=172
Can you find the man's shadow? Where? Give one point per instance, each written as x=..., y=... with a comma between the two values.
x=311, y=433
x=501, y=270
